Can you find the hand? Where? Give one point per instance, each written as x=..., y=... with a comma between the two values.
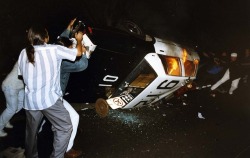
x=70, y=26
x=84, y=49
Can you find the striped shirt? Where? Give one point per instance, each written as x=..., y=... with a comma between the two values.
x=42, y=80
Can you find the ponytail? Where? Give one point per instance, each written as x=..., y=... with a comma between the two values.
x=36, y=36
x=30, y=51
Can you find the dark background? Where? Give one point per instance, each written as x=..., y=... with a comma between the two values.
x=207, y=25
x=172, y=130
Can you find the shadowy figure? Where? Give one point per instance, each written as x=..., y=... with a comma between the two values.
x=234, y=73
x=13, y=89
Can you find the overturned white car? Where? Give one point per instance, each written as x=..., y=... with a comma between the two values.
x=127, y=71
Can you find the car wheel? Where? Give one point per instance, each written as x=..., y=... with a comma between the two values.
x=131, y=27
x=101, y=107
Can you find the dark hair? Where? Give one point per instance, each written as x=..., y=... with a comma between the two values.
x=80, y=26
x=64, y=41
x=36, y=36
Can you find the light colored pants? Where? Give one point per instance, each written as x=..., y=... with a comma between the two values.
x=226, y=77
x=61, y=127
x=74, y=117
x=14, y=103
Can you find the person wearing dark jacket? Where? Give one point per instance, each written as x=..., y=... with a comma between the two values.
x=233, y=73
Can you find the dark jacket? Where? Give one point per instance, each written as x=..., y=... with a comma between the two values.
x=235, y=70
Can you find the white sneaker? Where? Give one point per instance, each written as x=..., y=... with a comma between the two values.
x=8, y=125
x=200, y=116
x=3, y=134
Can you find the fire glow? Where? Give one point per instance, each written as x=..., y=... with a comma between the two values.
x=184, y=55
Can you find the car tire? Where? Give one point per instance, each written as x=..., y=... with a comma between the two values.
x=130, y=27
x=101, y=107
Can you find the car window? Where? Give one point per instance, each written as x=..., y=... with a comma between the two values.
x=190, y=68
x=171, y=65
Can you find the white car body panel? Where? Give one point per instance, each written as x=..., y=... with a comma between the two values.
x=169, y=84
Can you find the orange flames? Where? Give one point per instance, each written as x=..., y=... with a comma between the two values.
x=173, y=66
x=184, y=55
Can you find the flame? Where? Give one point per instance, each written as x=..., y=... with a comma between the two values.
x=184, y=55
x=173, y=65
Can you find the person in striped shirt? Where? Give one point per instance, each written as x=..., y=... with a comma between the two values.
x=39, y=65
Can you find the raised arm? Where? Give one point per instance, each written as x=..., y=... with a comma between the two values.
x=66, y=32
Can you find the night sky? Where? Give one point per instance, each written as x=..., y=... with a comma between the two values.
x=211, y=25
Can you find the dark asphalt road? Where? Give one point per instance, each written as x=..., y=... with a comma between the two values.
x=171, y=130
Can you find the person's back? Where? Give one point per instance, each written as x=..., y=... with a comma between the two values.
x=43, y=88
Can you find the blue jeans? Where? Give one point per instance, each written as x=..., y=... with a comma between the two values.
x=14, y=103
x=67, y=67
